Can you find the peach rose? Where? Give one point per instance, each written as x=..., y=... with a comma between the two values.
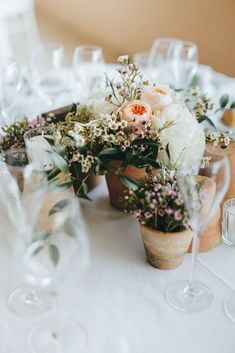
x=135, y=112
x=157, y=97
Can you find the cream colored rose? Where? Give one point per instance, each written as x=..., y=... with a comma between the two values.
x=157, y=97
x=135, y=112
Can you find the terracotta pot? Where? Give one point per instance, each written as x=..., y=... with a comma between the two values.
x=17, y=173
x=165, y=250
x=116, y=187
x=229, y=117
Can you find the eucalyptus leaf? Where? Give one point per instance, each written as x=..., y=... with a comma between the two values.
x=144, y=142
x=58, y=206
x=232, y=106
x=60, y=162
x=41, y=235
x=109, y=151
x=129, y=182
x=168, y=151
x=54, y=254
x=202, y=118
x=224, y=100
x=53, y=173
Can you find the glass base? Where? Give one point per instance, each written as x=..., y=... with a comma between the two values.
x=229, y=306
x=29, y=301
x=181, y=297
x=58, y=335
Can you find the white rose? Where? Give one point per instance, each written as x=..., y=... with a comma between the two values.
x=100, y=104
x=185, y=138
x=157, y=97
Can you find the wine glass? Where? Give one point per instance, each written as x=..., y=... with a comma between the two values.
x=202, y=198
x=22, y=192
x=173, y=62
x=162, y=54
x=10, y=83
x=88, y=67
x=185, y=65
x=229, y=305
x=48, y=72
x=64, y=247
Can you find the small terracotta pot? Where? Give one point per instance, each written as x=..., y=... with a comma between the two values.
x=116, y=187
x=17, y=173
x=165, y=250
x=229, y=117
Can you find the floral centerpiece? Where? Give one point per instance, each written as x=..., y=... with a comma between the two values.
x=158, y=206
x=133, y=128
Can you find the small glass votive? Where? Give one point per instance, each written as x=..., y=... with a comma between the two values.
x=228, y=224
x=38, y=148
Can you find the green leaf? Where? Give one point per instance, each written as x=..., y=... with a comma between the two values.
x=145, y=162
x=54, y=253
x=74, y=109
x=66, y=184
x=53, y=173
x=41, y=235
x=144, y=142
x=202, y=118
x=224, y=100
x=58, y=206
x=232, y=106
x=109, y=151
x=69, y=229
x=168, y=151
x=129, y=182
x=37, y=250
x=49, y=139
x=60, y=162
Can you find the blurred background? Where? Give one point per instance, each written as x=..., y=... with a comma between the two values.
x=122, y=26
x=130, y=26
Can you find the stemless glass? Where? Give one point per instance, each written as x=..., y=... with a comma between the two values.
x=201, y=205
x=38, y=147
x=89, y=67
x=10, y=83
x=48, y=71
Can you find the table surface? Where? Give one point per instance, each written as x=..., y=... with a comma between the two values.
x=121, y=297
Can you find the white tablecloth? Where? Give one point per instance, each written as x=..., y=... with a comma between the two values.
x=121, y=297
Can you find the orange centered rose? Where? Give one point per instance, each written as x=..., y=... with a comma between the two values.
x=138, y=109
x=160, y=90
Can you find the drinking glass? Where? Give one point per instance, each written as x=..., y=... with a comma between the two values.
x=162, y=55
x=228, y=224
x=10, y=83
x=173, y=62
x=186, y=65
x=38, y=148
x=89, y=67
x=48, y=72
x=59, y=252
x=229, y=305
x=201, y=204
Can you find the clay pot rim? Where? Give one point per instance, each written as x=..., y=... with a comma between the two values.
x=188, y=230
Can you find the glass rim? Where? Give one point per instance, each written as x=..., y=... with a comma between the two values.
x=88, y=48
x=35, y=129
x=227, y=204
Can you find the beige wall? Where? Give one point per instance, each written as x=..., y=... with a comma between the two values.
x=129, y=26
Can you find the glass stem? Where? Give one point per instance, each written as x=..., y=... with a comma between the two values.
x=195, y=247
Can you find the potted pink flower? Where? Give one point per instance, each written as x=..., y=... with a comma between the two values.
x=158, y=206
